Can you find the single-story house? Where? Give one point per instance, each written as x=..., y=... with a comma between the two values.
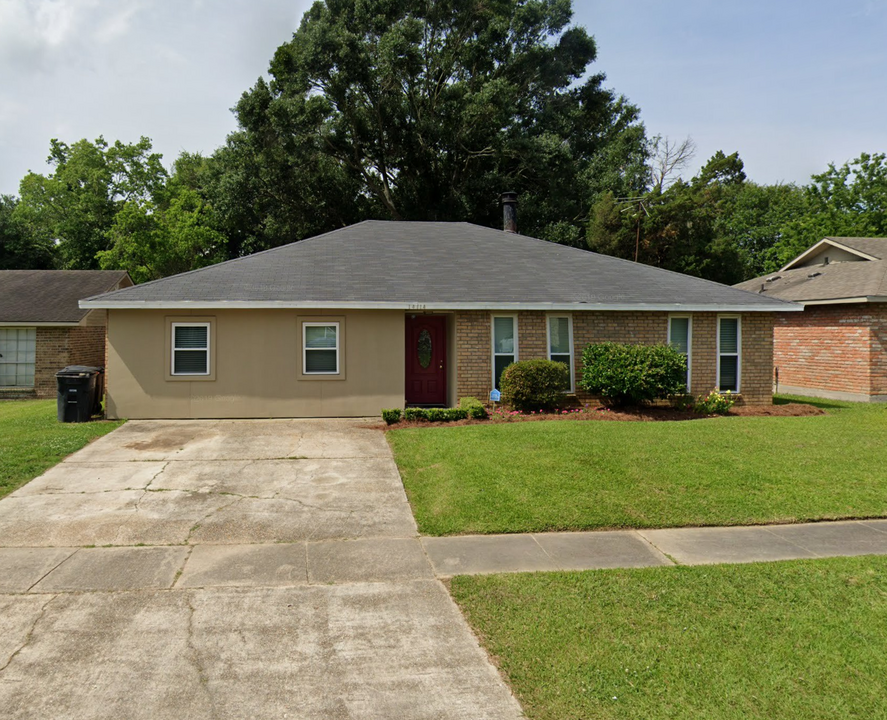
x=43, y=329
x=386, y=314
x=836, y=348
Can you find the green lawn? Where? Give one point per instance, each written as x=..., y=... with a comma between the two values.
x=800, y=639
x=32, y=440
x=565, y=475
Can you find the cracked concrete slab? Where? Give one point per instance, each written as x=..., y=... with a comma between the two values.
x=115, y=569
x=21, y=568
x=18, y=616
x=129, y=517
x=206, y=621
x=286, y=521
x=395, y=650
x=104, y=656
x=93, y=477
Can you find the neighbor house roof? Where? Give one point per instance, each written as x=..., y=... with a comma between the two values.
x=433, y=265
x=51, y=296
x=863, y=279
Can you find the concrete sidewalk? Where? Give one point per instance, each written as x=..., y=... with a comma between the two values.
x=45, y=570
x=477, y=554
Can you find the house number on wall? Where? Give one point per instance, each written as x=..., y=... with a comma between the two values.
x=417, y=306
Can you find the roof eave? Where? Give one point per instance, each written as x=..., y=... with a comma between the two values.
x=40, y=323
x=846, y=300
x=98, y=303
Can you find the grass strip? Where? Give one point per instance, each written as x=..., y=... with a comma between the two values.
x=560, y=475
x=32, y=440
x=801, y=639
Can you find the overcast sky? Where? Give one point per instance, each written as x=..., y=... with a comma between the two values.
x=792, y=85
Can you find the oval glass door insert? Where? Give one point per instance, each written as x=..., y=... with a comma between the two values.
x=424, y=349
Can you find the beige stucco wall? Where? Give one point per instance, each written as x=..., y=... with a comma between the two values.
x=256, y=366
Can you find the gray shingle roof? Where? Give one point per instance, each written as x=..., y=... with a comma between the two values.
x=876, y=247
x=51, y=296
x=835, y=281
x=432, y=264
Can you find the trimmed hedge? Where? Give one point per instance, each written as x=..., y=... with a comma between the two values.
x=633, y=374
x=392, y=415
x=475, y=408
x=435, y=414
x=535, y=384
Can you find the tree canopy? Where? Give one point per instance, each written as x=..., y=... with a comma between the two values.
x=409, y=110
x=428, y=111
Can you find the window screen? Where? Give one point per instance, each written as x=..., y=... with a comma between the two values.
x=504, y=346
x=679, y=339
x=18, y=357
x=728, y=354
x=190, y=354
x=560, y=343
x=321, y=343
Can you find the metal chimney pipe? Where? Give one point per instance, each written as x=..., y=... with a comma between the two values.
x=508, y=200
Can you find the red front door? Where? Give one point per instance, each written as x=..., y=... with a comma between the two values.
x=426, y=348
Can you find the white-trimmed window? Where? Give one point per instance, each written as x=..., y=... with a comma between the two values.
x=504, y=344
x=18, y=357
x=560, y=343
x=190, y=348
x=729, y=352
x=680, y=337
x=320, y=348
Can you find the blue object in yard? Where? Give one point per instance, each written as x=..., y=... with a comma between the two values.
x=495, y=395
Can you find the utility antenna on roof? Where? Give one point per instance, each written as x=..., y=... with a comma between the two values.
x=641, y=203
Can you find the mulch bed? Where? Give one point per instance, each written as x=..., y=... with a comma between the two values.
x=639, y=414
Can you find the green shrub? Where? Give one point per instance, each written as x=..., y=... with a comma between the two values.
x=475, y=408
x=414, y=414
x=715, y=403
x=435, y=414
x=392, y=415
x=633, y=374
x=534, y=384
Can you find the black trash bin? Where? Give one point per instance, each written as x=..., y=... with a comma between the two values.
x=80, y=390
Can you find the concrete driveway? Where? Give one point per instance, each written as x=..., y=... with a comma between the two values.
x=230, y=569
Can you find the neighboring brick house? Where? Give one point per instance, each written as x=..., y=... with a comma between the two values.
x=43, y=329
x=836, y=348
x=383, y=314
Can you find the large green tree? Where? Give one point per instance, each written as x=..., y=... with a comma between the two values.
x=680, y=228
x=417, y=110
x=74, y=206
x=20, y=249
x=849, y=201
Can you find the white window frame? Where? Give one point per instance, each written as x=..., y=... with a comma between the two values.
x=174, y=349
x=33, y=375
x=737, y=354
x=572, y=363
x=305, y=349
x=689, y=318
x=493, y=345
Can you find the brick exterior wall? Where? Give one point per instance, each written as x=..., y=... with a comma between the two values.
x=58, y=347
x=52, y=356
x=835, y=348
x=474, y=351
